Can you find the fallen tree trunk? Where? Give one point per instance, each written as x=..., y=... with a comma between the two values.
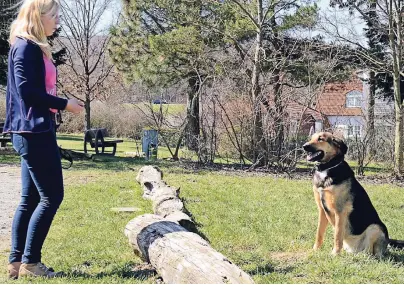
x=163, y=239
x=180, y=256
x=166, y=199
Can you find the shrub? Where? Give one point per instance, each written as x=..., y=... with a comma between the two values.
x=120, y=120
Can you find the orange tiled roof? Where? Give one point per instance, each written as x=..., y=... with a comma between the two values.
x=295, y=110
x=332, y=100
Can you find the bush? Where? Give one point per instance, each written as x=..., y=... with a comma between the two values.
x=119, y=120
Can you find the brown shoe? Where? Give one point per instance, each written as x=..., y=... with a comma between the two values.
x=36, y=270
x=13, y=269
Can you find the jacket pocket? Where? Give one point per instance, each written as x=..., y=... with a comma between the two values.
x=24, y=114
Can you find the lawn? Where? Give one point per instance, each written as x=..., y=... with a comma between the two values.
x=264, y=224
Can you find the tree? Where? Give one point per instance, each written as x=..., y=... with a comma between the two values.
x=161, y=43
x=164, y=42
x=377, y=43
x=278, y=61
x=8, y=9
x=87, y=65
x=385, y=22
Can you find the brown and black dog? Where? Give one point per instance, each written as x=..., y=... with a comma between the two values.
x=343, y=202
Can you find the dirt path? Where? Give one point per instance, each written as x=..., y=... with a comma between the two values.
x=9, y=198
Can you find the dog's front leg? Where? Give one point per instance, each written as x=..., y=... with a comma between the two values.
x=322, y=223
x=339, y=231
x=321, y=227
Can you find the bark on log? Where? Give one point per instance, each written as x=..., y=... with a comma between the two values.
x=164, y=239
x=181, y=256
x=166, y=201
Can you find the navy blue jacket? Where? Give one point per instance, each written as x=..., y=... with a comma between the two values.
x=27, y=102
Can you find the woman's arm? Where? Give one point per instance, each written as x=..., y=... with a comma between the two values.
x=29, y=78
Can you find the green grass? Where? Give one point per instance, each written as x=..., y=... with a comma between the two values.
x=130, y=148
x=263, y=224
x=75, y=142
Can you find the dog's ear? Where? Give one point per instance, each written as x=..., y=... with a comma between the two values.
x=340, y=144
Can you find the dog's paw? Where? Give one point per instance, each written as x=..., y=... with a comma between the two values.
x=335, y=252
x=316, y=247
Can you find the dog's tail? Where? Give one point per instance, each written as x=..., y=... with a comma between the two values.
x=396, y=243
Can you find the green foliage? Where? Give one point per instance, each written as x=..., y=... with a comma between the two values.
x=174, y=48
x=6, y=17
x=161, y=42
x=237, y=26
x=304, y=17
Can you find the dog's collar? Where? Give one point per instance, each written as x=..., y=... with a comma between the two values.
x=333, y=163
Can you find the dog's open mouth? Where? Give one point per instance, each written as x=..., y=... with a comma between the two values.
x=315, y=156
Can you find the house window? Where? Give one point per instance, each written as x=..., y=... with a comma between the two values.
x=353, y=99
x=354, y=131
x=318, y=126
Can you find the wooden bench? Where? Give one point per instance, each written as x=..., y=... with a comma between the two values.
x=97, y=139
x=4, y=138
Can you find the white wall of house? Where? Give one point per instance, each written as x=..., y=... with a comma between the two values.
x=348, y=126
x=384, y=109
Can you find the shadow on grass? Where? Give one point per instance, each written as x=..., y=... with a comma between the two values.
x=266, y=269
x=141, y=272
x=372, y=169
x=69, y=138
x=194, y=226
x=107, y=162
x=261, y=270
x=396, y=256
x=127, y=271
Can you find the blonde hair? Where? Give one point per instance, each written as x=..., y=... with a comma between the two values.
x=29, y=25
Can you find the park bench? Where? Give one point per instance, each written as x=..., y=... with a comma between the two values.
x=97, y=138
x=4, y=138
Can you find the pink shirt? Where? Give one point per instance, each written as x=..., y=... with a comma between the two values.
x=50, y=78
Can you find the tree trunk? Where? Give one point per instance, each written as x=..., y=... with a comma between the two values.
x=178, y=145
x=180, y=256
x=164, y=239
x=258, y=140
x=279, y=120
x=193, y=124
x=87, y=107
x=398, y=138
x=279, y=108
x=398, y=141
x=166, y=201
x=395, y=41
x=374, y=46
x=370, y=124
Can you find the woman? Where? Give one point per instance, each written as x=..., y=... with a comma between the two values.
x=30, y=99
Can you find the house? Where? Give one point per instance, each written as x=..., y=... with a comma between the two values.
x=304, y=119
x=345, y=105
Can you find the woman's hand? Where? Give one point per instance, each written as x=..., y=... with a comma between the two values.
x=74, y=106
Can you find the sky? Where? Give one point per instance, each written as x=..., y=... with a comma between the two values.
x=345, y=25
x=111, y=14
x=339, y=22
